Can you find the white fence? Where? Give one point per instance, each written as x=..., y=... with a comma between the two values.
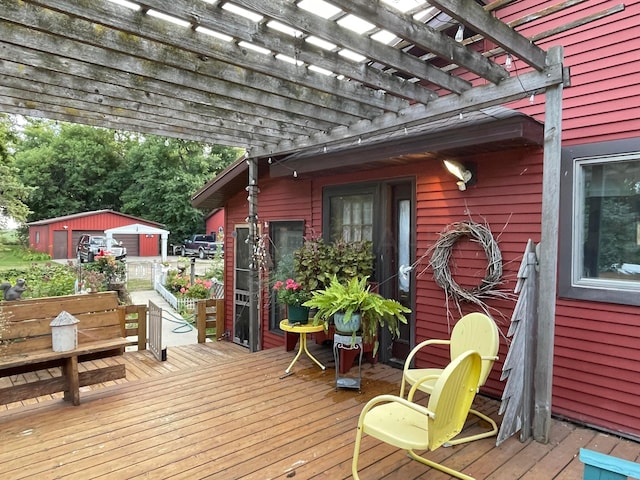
x=180, y=303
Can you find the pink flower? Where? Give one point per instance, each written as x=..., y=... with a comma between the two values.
x=182, y=290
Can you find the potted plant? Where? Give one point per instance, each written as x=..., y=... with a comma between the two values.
x=350, y=301
x=316, y=262
x=293, y=295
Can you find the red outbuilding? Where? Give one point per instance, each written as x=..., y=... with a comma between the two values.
x=59, y=236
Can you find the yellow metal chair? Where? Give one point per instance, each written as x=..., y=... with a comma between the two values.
x=475, y=331
x=407, y=425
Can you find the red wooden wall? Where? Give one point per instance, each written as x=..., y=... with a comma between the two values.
x=596, y=359
x=41, y=235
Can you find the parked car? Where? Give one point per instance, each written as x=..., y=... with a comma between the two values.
x=91, y=245
x=203, y=246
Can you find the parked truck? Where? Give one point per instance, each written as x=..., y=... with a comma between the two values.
x=204, y=246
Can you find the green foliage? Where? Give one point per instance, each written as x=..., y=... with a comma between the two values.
x=216, y=268
x=17, y=256
x=200, y=289
x=354, y=296
x=317, y=262
x=176, y=281
x=104, y=270
x=72, y=168
x=13, y=192
x=43, y=280
x=180, y=284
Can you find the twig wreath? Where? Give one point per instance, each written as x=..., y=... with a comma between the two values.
x=441, y=257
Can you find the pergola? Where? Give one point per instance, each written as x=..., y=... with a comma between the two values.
x=280, y=76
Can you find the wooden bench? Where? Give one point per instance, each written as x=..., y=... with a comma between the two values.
x=26, y=344
x=599, y=466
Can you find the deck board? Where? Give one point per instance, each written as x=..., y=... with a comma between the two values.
x=216, y=411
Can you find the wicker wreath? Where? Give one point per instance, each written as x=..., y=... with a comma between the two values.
x=441, y=257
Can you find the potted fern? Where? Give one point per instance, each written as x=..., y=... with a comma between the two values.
x=356, y=309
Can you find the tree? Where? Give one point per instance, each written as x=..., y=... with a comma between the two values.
x=13, y=192
x=73, y=169
x=76, y=168
x=163, y=174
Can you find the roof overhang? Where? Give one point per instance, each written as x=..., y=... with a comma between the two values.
x=479, y=132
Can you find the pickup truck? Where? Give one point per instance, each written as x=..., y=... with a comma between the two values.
x=203, y=246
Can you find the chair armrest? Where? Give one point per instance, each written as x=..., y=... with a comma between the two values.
x=420, y=346
x=395, y=399
x=489, y=357
x=415, y=387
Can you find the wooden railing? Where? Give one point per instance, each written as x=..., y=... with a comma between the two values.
x=210, y=315
x=135, y=324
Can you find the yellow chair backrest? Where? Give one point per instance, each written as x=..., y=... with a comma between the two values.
x=451, y=398
x=476, y=331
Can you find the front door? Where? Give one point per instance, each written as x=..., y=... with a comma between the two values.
x=399, y=258
x=383, y=213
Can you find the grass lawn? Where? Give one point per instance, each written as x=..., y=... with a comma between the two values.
x=15, y=256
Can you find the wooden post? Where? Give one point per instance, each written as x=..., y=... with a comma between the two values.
x=219, y=318
x=201, y=320
x=548, y=254
x=254, y=317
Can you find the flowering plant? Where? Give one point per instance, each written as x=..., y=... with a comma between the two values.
x=291, y=293
x=200, y=289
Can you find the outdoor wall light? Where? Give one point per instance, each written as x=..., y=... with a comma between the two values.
x=466, y=174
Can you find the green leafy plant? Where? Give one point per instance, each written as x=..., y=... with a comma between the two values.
x=113, y=269
x=317, y=262
x=176, y=281
x=93, y=281
x=49, y=279
x=355, y=296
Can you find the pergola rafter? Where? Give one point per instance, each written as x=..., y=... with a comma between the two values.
x=104, y=64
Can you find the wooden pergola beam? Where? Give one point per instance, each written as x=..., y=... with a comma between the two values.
x=473, y=16
x=425, y=37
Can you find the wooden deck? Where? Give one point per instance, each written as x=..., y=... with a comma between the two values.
x=216, y=411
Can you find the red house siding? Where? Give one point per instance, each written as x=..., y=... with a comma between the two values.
x=596, y=357
x=279, y=199
x=214, y=222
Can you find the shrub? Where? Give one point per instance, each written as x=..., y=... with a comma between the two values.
x=43, y=280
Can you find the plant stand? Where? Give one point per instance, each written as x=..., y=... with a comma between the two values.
x=342, y=344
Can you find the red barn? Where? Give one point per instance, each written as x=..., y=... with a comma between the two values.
x=395, y=190
x=59, y=236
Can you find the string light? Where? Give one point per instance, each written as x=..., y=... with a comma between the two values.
x=532, y=98
x=460, y=116
x=508, y=62
x=295, y=174
x=270, y=160
x=460, y=33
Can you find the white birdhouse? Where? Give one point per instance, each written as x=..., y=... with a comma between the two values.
x=64, y=332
